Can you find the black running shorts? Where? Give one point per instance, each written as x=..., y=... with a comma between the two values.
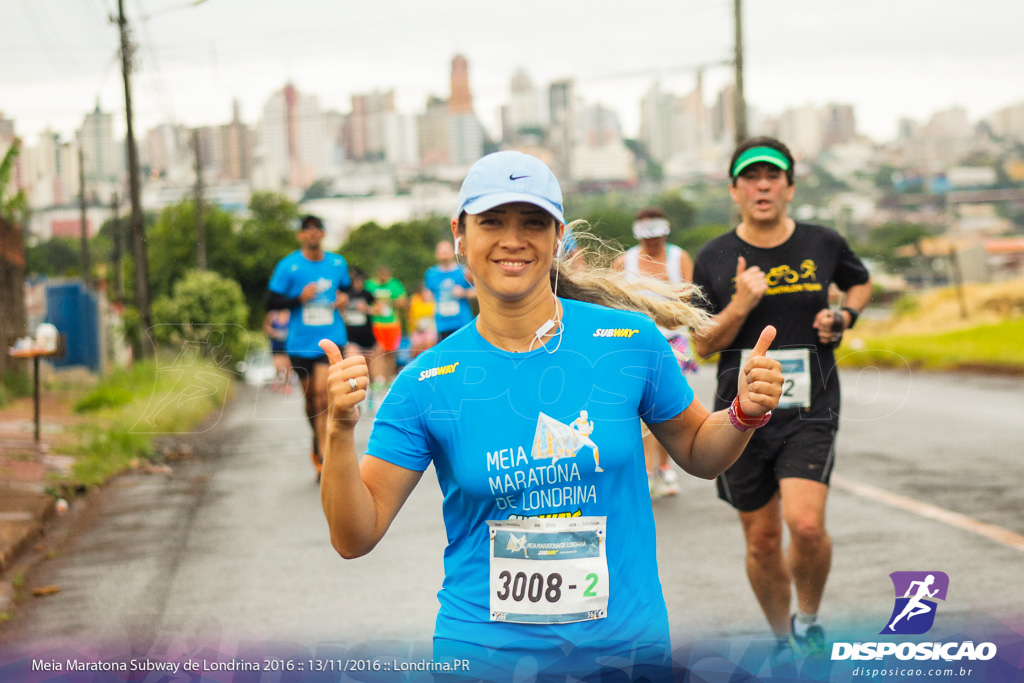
x=806, y=453
x=304, y=366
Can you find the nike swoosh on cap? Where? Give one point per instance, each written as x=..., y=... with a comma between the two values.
x=517, y=177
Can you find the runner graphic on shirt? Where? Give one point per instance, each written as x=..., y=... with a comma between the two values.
x=556, y=440
x=585, y=428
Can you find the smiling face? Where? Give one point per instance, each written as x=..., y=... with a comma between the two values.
x=762, y=193
x=509, y=250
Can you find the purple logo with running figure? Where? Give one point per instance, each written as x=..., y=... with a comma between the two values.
x=916, y=592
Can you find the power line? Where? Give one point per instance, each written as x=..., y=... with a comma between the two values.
x=161, y=91
x=41, y=33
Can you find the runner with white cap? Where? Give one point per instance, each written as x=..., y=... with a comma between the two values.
x=655, y=257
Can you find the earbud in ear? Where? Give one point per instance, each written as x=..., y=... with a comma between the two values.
x=558, y=249
x=458, y=241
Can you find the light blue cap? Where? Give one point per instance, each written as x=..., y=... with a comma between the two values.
x=505, y=177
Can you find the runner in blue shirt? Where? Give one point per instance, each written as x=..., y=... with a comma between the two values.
x=451, y=291
x=531, y=419
x=312, y=284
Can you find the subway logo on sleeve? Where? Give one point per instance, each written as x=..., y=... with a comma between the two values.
x=439, y=370
x=615, y=332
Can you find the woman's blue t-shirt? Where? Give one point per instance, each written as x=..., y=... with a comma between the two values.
x=473, y=410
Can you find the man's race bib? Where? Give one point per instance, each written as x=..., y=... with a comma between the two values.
x=317, y=314
x=354, y=318
x=548, y=571
x=796, y=375
x=448, y=308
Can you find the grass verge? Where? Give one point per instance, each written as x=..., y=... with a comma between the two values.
x=133, y=406
x=996, y=347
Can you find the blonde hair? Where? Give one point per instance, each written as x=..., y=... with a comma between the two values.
x=586, y=275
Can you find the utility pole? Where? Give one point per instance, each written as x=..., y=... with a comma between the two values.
x=86, y=264
x=115, y=227
x=200, y=225
x=740, y=102
x=136, y=227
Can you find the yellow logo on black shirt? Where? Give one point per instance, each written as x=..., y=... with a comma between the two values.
x=615, y=332
x=785, y=279
x=439, y=370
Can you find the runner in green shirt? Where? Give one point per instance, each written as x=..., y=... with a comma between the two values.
x=389, y=294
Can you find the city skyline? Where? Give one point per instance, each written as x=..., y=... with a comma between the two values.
x=195, y=60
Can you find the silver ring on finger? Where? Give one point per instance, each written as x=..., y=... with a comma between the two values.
x=352, y=383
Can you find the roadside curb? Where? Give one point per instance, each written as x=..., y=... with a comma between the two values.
x=24, y=510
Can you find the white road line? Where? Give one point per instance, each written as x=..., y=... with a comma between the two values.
x=990, y=531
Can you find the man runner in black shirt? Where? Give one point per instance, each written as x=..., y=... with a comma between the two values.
x=773, y=270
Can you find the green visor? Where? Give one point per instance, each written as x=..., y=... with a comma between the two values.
x=756, y=155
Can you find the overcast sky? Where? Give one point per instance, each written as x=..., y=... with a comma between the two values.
x=889, y=58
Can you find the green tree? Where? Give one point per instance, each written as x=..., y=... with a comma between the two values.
x=206, y=309
x=56, y=257
x=681, y=214
x=694, y=238
x=612, y=222
x=406, y=247
x=318, y=190
x=648, y=167
x=13, y=215
x=883, y=241
x=264, y=238
x=172, y=244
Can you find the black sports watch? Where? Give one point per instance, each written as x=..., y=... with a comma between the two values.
x=854, y=313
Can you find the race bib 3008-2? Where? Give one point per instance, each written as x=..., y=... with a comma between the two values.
x=551, y=571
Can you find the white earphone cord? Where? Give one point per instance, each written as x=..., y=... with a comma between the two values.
x=546, y=327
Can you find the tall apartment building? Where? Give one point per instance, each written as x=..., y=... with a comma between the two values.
x=562, y=136
x=840, y=125
x=600, y=155
x=802, y=130
x=337, y=137
x=51, y=171
x=461, y=100
x=465, y=133
x=526, y=113
x=723, y=117
x=235, y=149
x=656, y=123
x=677, y=130
x=1008, y=121
x=292, y=151
x=401, y=141
x=209, y=151
x=166, y=152
x=938, y=144
x=367, y=124
x=432, y=128
x=103, y=158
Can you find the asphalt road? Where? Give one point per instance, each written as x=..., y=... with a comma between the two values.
x=233, y=547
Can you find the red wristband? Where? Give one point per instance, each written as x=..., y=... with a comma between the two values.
x=744, y=422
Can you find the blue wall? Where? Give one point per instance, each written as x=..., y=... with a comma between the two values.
x=75, y=313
